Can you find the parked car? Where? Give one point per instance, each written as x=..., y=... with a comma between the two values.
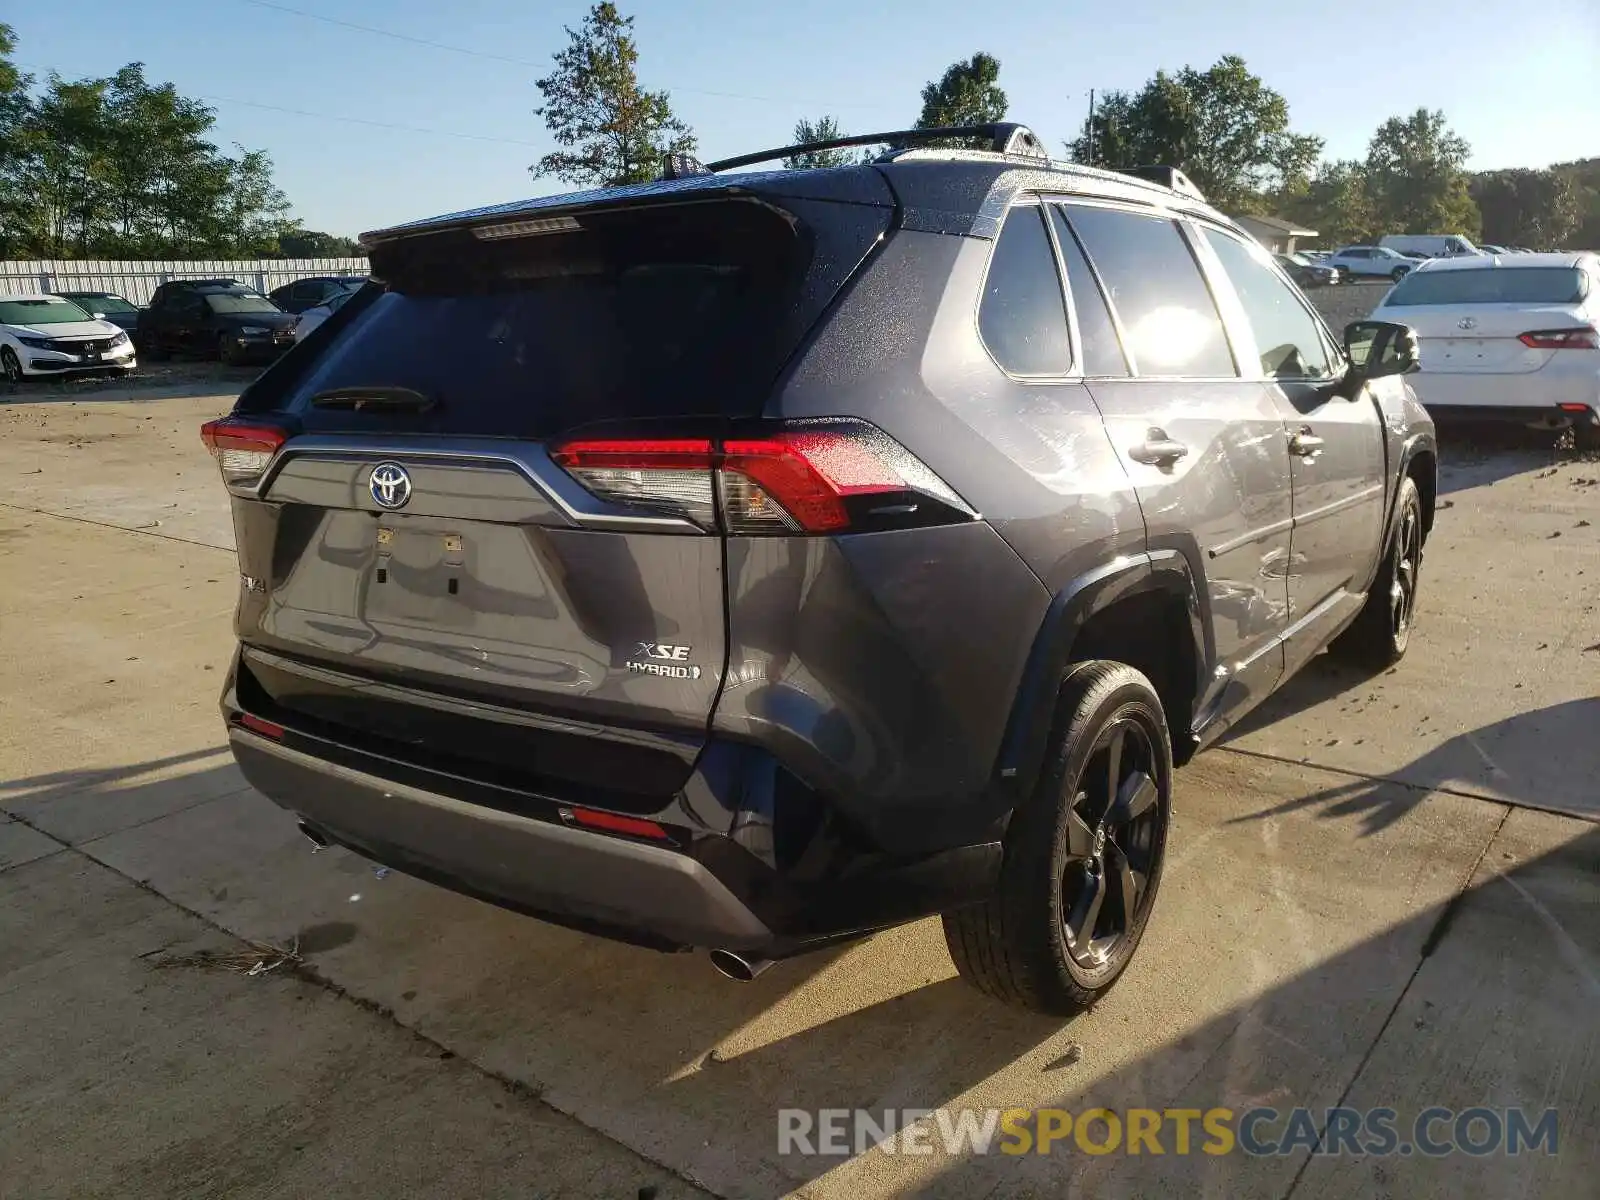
x=1372, y=261
x=1307, y=272
x=312, y=317
x=50, y=335
x=1428, y=245
x=218, y=318
x=755, y=572
x=1506, y=339
x=107, y=306
x=307, y=293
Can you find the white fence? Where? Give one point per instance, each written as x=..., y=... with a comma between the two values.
x=137, y=280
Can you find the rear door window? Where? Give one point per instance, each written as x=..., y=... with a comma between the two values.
x=1023, y=316
x=1155, y=286
x=1287, y=337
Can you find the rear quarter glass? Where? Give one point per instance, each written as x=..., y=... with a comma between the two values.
x=671, y=310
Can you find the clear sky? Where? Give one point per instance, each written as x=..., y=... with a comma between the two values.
x=1517, y=82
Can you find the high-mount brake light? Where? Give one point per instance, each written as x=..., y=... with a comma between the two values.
x=1580, y=337
x=831, y=477
x=242, y=450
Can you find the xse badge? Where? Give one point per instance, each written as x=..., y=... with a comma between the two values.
x=660, y=658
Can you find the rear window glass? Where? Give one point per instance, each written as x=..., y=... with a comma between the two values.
x=677, y=310
x=1491, y=285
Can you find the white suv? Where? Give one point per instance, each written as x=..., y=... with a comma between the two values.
x=1512, y=339
x=1357, y=261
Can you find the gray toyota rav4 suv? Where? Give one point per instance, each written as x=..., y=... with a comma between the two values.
x=750, y=561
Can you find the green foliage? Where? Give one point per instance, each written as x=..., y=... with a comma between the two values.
x=614, y=132
x=1584, y=176
x=1222, y=127
x=312, y=243
x=823, y=130
x=1526, y=208
x=1335, y=203
x=121, y=168
x=968, y=93
x=1417, y=178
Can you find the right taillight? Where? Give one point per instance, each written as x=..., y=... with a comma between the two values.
x=1581, y=337
x=827, y=477
x=242, y=450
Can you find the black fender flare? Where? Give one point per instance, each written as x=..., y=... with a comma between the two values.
x=1026, y=740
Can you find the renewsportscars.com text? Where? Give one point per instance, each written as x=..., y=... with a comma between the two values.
x=1432, y=1132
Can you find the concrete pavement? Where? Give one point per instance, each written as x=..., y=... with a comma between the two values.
x=1374, y=923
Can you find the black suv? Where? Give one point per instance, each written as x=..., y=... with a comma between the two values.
x=213, y=318
x=751, y=562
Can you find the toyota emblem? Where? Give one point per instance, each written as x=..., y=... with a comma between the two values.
x=390, y=485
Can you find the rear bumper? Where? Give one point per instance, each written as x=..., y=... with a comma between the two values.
x=752, y=860
x=616, y=885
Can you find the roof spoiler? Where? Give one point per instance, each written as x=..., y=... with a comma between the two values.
x=1002, y=137
x=1167, y=177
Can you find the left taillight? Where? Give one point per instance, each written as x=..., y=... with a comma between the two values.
x=243, y=450
x=823, y=478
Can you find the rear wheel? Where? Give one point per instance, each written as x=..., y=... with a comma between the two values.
x=1380, y=633
x=10, y=365
x=1399, y=273
x=1083, y=856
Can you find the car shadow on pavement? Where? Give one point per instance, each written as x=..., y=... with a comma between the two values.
x=78, y=806
x=158, y=383
x=1485, y=999
x=1476, y=455
x=1521, y=760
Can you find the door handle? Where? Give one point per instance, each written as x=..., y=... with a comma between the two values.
x=1305, y=443
x=1158, y=450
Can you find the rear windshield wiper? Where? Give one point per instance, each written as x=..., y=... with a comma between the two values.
x=374, y=399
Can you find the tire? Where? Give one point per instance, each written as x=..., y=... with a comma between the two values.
x=11, y=366
x=1063, y=848
x=1399, y=273
x=153, y=350
x=226, y=354
x=1378, y=637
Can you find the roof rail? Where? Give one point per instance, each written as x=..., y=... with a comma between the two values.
x=1003, y=137
x=1167, y=177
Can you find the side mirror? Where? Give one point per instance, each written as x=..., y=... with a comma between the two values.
x=98, y=316
x=1379, y=348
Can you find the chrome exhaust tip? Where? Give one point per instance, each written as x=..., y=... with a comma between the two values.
x=737, y=966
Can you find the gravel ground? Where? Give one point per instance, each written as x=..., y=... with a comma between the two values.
x=174, y=377
x=1346, y=302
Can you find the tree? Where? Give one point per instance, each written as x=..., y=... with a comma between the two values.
x=1335, y=202
x=1417, y=178
x=1584, y=176
x=822, y=130
x=119, y=167
x=616, y=133
x=1222, y=127
x=968, y=93
x=1525, y=208
x=311, y=243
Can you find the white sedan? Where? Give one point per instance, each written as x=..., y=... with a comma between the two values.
x=48, y=335
x=1514, y=338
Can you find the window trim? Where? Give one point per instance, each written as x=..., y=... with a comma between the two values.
x=1181, y=221
x=1074, y=328
x=1333, y=345
x=1072, y=372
